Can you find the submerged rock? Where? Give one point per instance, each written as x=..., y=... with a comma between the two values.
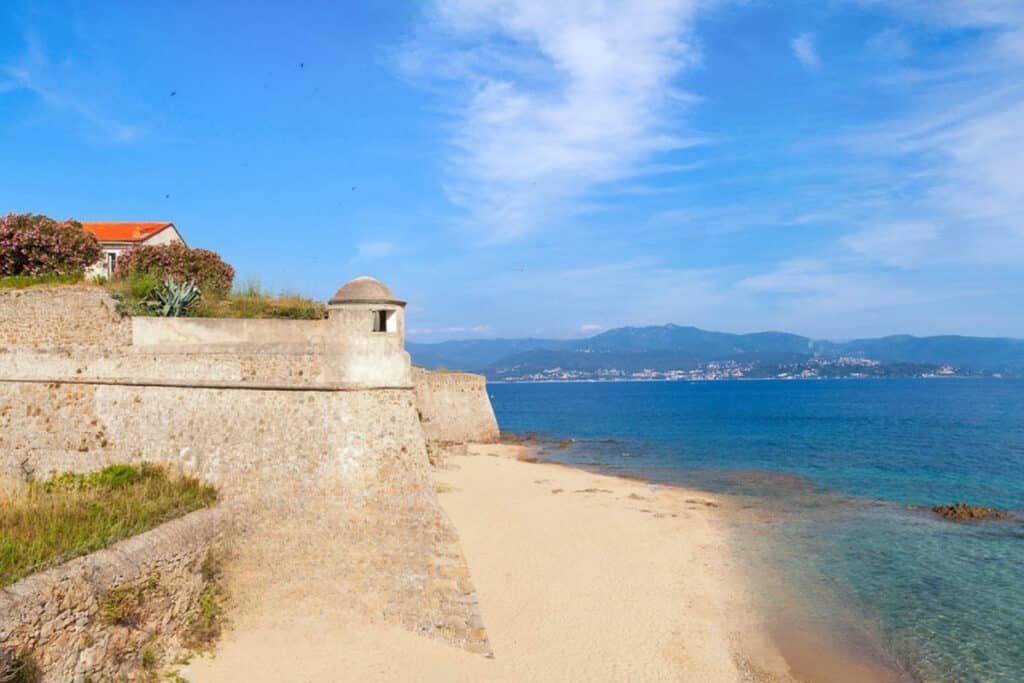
x=964, y=512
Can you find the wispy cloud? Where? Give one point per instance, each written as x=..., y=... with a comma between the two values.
x=806, y=51
x=890, y=43
x=35, y=73
x=473, y=330
x=801, y=289
x=957, y=156
x=902, y=245
x=976, y=13
x=553, y=100
x=375, y=249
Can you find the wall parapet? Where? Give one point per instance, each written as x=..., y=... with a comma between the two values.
x=61, y=316
x=54, y=619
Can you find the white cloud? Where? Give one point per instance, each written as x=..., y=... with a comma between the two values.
x=809, y=287
x=978, y=13
x=588, y=328
x=375, y=249
x=954, y=195
x=476, y=330
x=553, y=99
x=903, y=245
x=951, y=190
x=890, y=43
x=806, y=51
x=51, y=83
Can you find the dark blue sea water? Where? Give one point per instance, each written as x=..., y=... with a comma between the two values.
x=831, y=474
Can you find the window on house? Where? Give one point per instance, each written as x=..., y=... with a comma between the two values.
x=380, y=321
x=111, y=262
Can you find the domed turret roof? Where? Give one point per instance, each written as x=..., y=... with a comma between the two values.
x=365, y=290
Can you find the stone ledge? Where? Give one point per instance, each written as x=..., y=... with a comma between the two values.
x=203, y=384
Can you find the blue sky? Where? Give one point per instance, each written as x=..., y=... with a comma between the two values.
x=836, y=168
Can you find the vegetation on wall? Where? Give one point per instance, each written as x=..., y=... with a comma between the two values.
x=179, y=263
x=36, y=246
x=23, y=281
x=145, y=295
x=252, y=301
x=165, y=280
x=49, y=522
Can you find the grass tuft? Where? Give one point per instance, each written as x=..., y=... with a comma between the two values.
x=18, y=669
x=207, y=618
x=120, y=604
x=49, y=522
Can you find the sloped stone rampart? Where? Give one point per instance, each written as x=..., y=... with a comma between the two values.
x=332, y=488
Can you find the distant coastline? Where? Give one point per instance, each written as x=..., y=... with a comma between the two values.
x=673, y=352
x=637, y=380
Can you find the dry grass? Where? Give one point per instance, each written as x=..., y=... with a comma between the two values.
x=47, y=523
x=23, y=281
x=264, y=306
x=252, y=301
x=208, y=617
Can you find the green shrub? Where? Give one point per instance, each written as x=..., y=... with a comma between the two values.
x=144, y=295
x=35, y=245
x=179, y=263
x=175, y=299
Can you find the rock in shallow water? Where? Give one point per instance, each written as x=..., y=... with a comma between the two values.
x=964, y=512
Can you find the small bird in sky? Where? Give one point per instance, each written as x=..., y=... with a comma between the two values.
x=302, y=65
x=173, y=93
x=353, y=187
x=167, y=196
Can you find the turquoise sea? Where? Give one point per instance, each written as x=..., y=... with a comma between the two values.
x=829, y=477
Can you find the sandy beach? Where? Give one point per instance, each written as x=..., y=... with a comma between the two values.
x=581, y=577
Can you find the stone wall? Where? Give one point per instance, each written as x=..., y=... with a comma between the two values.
x=61, y=620
x=348, y=355
x=310, y=429
x=332, y=486
x=454, y=407
x=61, y=316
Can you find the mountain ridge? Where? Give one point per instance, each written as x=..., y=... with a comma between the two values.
x=674, y=351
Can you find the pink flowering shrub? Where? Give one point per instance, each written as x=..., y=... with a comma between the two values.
x=35, y=245
x=177, y=262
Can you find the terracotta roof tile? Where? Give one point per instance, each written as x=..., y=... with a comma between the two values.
x=125, y=232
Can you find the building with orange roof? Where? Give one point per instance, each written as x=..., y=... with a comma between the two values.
x=118, y=237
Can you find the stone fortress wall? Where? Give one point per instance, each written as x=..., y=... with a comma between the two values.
x=311, y=429
x=454, y=407
x=55, y=318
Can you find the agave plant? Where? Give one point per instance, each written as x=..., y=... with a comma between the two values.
x=174, y=299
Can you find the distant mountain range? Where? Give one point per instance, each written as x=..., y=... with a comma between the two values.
x=673, y=352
